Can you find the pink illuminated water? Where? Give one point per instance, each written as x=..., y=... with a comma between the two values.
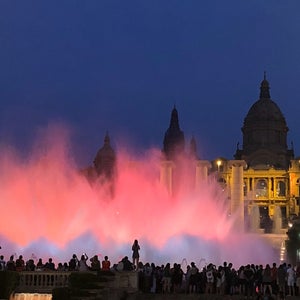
x=50, y=210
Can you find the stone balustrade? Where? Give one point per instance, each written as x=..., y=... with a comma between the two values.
x=46, y=281
x=42, y=282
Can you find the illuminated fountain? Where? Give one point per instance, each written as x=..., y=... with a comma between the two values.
x=255, y=219
x=51, y=210
x=28, y=296
x=277, y=220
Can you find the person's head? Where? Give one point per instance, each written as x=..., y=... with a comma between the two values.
x=106, y=257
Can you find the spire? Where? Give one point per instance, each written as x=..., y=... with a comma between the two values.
x=174, y=137
x=193, y=148
x=264, y=88
x=106, y=139
x=174, y=122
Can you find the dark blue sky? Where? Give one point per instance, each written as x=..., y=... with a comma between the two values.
x=120, y=66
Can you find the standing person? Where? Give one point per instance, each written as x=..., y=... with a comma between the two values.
x=82, y=264
x=105, y=264
x=267, y=279
x=49, y=265
x=298, y=278
x=95, y=263
x=281, y=279
x=73, y=263
x=40, y=265
x=20, y=264
x=290, y=272
x=274, y=284
x=2, y=263
x=11, y=265
x=135, y=254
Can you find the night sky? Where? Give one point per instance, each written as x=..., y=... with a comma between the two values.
x=120, y=66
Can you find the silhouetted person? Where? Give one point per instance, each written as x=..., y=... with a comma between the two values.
x=11, y=265
x=20, y=264
x=49, y=265
x=127, y=264
x=73, y=263
x=40, y=265
x=106, y=264
x=2, y=263
x=95, y=263
x=83, y=263
x=135, y=253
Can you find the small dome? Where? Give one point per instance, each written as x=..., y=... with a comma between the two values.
x=106, y=151
x=105, y=159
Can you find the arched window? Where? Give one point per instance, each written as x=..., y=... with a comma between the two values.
x=261, y=188
x=298, y=183
x=245, y=188
x=222, y=182
x=280, y=189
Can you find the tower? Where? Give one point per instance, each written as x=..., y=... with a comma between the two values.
x=173, y=143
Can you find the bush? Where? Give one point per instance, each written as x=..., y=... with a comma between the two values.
x=62, y=293
x=9, y=281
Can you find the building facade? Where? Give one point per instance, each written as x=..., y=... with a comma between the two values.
x=264, y=175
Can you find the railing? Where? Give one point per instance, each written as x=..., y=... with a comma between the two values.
x=45, y=282
x=42, y=282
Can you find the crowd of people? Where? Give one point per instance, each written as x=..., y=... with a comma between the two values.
x=251, y=281
x=74, y=264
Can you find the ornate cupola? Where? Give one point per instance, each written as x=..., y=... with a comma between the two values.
x=174, y=138
x=265, y=134
x=105, y=160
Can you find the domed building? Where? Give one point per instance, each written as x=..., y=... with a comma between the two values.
x=265, y=134
x=103, y=170
x=105, y=160
x=263, y=178
x=269, y=176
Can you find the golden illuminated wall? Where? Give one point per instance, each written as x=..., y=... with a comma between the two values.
x=241, y=185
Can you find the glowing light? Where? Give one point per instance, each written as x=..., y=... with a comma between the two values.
x=219, y=163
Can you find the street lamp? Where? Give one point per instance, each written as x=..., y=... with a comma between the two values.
x=219, y=162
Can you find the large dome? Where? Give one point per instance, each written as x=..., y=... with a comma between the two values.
x=265, y=133
x=264, y=109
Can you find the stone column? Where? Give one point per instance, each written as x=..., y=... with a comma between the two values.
x=237, y=193
x=202, y=167
x=166, y=175
x=269, y=183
